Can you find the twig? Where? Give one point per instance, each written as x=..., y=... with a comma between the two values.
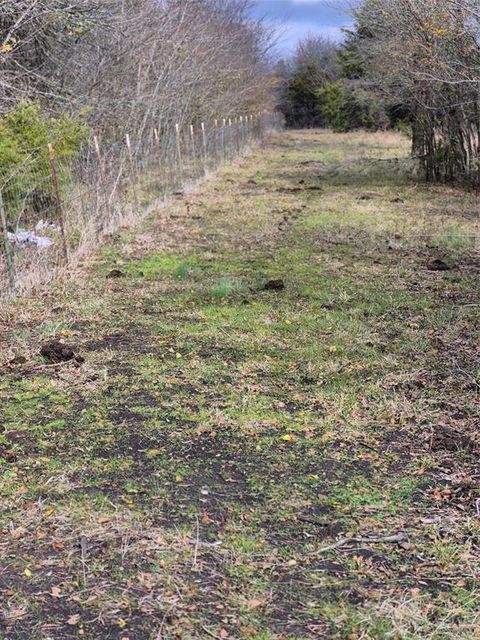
x=367, y=446
x=314, y=521
x=398, y=537
x=197, y=541
x=211, y=634
x=200, y=543
x=83, y=548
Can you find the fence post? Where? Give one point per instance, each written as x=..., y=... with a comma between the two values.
x=102, y=176
x=101, y=167
x=204, y=144
x=224, y=149
x=215, y=138
x=133, y=180
x=230, y=138
x=8, y=248
x=179, y=150
x=163, y=179
x=58, y=200
x=192, y=143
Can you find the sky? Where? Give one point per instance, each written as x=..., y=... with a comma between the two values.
x=297, y=18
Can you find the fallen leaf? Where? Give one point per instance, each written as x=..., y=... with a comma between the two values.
x=103, y=520
x=27, y=572
x=18, y=533
x=73, y=620
x=254, y=603
x=122, y=623
x=56, y=592
x=287, y=437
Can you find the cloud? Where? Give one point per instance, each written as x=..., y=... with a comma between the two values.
x=295, y=19
x=291, y=33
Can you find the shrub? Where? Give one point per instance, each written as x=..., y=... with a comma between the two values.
x=346, y=107
x=25, y=133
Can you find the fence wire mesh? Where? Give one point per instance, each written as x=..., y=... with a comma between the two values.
x=54, y=207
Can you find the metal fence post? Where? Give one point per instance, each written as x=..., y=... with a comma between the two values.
x=8, y=248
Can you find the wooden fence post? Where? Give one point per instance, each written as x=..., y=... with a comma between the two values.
x=215, y=137
x=101, y=166
x=8, y=249
x=102, y=174
x=224, y=150
x=192, y=143
x=156, y=136
x=230, y=136
x=58, y=200
x=204, y=145
x=179, y=149
x=133, y=180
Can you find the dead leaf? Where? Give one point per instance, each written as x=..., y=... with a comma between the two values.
x=73, y=620
x=56, y=592
x=103, y=520
x=254, y=603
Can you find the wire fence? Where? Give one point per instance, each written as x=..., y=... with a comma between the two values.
x=54, y=210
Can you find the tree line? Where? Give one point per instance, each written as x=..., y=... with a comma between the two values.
x=116, y=66
x=405, y=63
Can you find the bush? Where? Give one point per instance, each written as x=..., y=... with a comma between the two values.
x=25, y=133
x=300, y=100
x=346, y=107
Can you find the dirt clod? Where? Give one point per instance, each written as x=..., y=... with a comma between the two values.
x=55, y=351
x=438, y=265
x=17, y=360
x=274, y=285
x=115, y=273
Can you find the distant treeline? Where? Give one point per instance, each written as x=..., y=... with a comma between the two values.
x=408, y=64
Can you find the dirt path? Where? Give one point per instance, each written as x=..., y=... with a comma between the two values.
x=238, y=462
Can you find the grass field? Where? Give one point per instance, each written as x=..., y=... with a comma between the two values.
x=239, y=463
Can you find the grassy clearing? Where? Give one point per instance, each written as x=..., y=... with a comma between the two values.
x=184, y=481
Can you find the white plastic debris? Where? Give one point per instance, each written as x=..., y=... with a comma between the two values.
x=43, y=225
x=22, y=238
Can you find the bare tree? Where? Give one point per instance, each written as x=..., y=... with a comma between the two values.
x=427, y=55
x=134, y=63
